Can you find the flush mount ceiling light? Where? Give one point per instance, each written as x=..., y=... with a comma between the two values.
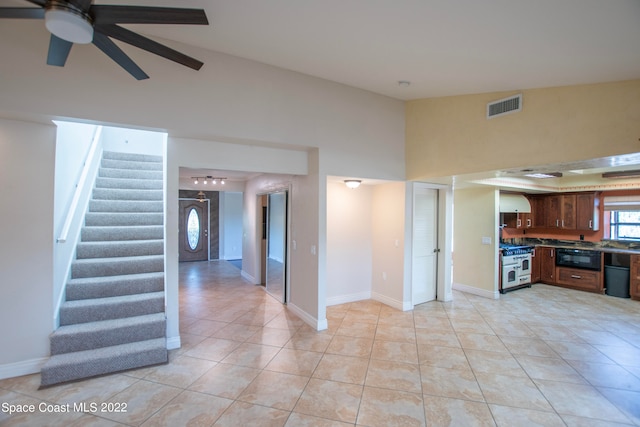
x=69, y=23
x=543, y=175
x=404, y=83
x=622, y=174
x=352, y=183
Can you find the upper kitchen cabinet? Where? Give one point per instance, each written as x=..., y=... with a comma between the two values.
x=588, y=211
x=560, y=211
x=537, y=218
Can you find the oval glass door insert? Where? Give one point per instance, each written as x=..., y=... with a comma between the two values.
x=193, y=229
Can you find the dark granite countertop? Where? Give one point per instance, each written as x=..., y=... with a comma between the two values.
x=610, y=246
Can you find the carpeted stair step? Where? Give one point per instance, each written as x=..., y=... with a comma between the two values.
x=142, y=184
x=94, y=310
x=130, y=174
x=116, y=266
x=113, y=286
x=125, y=206
x=90, y=363
x=131, y=164
x=106, y=333
x=136, y=232
x=126, y=194
x=119, y=248
x=115, y=155
x=97, y=219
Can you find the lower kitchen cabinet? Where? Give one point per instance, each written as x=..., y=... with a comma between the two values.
x=576, y=278
x=634, y=288
x=547, y=264
x=535, y=266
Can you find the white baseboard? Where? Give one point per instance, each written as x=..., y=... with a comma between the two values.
x=398, y=305
x=476, y=291
x=318, y=325
x=25, y=367
x=173, y=343
x=249, y=277
x=343, y=299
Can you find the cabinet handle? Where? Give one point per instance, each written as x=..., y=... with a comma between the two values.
x=519, y=223
x=528, y=222
x=590, y=224
x=552, y=252
x=563, y=223
x=575, y=276
x=557, y=223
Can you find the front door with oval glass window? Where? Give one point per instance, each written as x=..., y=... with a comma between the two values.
x=193, y=233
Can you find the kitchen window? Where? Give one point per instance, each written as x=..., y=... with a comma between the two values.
x=624, y=225
x=622, y=217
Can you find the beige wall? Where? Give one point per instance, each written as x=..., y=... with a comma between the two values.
x=389, y=230
x=475, y=264
x=450, y=136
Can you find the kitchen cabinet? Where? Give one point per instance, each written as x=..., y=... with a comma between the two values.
x=560, y=211
x=537, y=216
x=535, y=266
x=634, y=288
x=576, y=278
x=547, y=264
x=588, y=211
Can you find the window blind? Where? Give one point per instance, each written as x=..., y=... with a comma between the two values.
x=622, y=203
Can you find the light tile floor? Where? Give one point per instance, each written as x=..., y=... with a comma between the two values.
x=542, y=356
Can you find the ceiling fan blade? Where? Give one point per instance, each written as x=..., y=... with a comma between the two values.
x=38, y=2
x=113, y=14
x=149, y=45
x=114, y=52
x=22, y=12
x=83, y=5
x=58, y=51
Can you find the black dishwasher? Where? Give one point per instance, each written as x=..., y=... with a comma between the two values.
x=616, y=274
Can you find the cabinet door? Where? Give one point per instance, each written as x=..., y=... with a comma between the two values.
x=588, y=212
x=535, y=265
x=547, y=265
x=538, y=218
x=553, y=209
x=568, y=209
x=635, y=277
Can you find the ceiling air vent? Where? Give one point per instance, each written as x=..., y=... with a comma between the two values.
x=513, y=104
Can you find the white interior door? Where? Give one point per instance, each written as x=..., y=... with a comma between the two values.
x=425, y=245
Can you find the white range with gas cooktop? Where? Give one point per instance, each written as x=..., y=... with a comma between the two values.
x=516, y=267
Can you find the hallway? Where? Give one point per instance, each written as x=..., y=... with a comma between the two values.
x=541, y=356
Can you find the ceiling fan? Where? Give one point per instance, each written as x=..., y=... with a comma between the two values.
x=81, y=21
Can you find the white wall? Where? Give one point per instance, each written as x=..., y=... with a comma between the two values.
x=124, y=140
x=349, y=242
x=72, y=146
x=27, y=162
x=231, y=225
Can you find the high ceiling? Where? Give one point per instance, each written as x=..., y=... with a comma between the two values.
x=443, y=47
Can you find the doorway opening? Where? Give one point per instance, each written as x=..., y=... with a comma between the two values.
x=274, y=220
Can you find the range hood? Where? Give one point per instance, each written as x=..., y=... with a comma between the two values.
x=511, y=203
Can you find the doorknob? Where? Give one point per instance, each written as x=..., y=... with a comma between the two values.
x=436, y=250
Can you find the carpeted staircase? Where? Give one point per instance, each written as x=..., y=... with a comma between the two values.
x=113, y=318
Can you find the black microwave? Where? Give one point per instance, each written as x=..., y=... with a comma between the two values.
x=579, y=258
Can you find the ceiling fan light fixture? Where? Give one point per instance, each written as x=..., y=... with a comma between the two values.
x=68, y=23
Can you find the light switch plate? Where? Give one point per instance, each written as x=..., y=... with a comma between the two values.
x=486, y=240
